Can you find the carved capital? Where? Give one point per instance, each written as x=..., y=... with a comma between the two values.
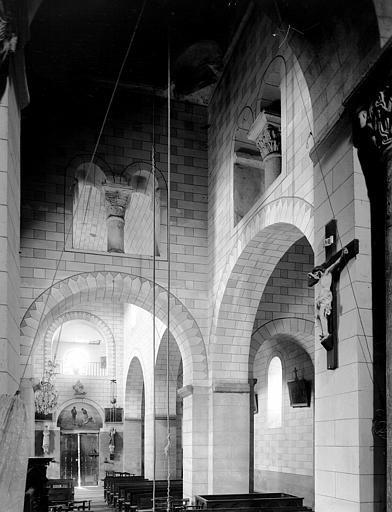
x=116, y=200
x=375, y=121
x=265, y=132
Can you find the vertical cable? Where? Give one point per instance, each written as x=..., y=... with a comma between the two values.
x=168, y=271
x=153, y=298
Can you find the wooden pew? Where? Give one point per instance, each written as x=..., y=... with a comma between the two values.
x=110, y=477
x=260, y=501
x=141, y=496
x=111, y=494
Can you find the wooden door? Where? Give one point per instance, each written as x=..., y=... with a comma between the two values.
x=69, y=457
x=89, y=463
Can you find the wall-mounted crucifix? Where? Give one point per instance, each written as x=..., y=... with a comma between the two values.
x=326, y=278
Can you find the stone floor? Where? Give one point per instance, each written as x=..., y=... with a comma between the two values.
x=95, y=494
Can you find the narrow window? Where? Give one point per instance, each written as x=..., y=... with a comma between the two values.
x=274, y=393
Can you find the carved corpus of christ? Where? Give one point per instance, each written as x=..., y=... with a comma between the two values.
x=324, y=296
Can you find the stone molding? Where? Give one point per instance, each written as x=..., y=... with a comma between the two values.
x=230, y=387
x=266, y=133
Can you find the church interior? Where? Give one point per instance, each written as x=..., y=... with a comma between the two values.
x=196, y=255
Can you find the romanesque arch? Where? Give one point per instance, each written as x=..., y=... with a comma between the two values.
x=297, y=330
x=120, y=288
x=102, y=327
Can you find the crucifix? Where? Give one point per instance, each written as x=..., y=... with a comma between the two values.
x=325, y=278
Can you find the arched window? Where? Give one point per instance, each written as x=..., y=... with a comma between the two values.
x=274, y=393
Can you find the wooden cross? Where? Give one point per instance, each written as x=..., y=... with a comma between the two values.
x=326, y=276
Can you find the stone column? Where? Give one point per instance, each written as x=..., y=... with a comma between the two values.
x=133, y=449
x=195, y=439
x=375, y=139
x=117, y=201
x=265, y=132
x=229, y=438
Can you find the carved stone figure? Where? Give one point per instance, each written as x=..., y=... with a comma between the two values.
x=112, y=434
x=45, y=440
x=79, y=388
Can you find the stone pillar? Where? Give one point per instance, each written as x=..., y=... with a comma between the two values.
x=195, y=439
x=133, y=449
x=161, y=444
x=27, y=395
x=376, y=131
x=265, y=132
x=10, y=349
x=229, y=438
x=117, y=201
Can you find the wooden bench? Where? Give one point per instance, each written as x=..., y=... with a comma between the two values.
x=112, y=483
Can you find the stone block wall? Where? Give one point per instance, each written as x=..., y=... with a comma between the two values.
x=287, y=293
x=127, y=138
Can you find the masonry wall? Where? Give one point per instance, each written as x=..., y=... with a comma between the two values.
x=127, y=138
x=239, y=88
x=287, y=293
x=284, y=455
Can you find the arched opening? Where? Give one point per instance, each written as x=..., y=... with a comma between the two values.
x=283, y=428
x=134, y=418
x=168, y=379
x=80, y=423
x=282, y=353
x=79, y=349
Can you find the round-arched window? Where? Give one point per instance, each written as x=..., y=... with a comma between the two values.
x=274, y=393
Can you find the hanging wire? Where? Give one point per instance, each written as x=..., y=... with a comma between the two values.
x=339, y=242
x=168, y=433
x=90, y=165
x=153, y=301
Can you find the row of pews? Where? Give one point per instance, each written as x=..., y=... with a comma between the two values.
x=128, y=493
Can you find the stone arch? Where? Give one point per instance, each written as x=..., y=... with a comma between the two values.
x=297, y=330
x=84, y=159
x=120, y=288
x=131, y=171
x=288, y=210
x=101, y=326
x=259, y=247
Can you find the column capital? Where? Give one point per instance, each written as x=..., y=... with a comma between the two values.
x=117, y=200
x=375, y=120
x=265, y=132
